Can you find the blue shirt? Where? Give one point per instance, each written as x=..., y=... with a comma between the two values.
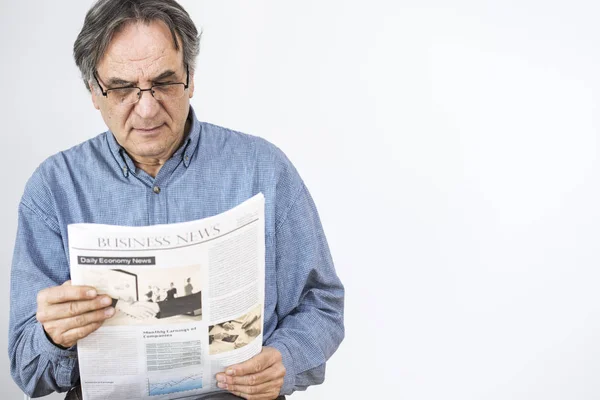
x=214, y=170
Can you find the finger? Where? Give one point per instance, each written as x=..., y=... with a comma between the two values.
x=70, y=338
x=263, y=360
x=248, y=390
x=265, y=387
x=65, y=292
x=66, y=324
x=71, y=308
x=270, y=394
x=275, y=371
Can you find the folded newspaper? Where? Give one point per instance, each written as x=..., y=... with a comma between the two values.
x=189, y=300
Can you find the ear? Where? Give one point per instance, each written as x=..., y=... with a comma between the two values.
x=94, y=93
x=191, y=85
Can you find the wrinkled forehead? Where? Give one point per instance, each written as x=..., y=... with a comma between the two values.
x=138, y=50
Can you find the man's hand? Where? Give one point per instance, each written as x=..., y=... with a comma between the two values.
x=259, y=378
x=138, y=309
x=228, y=326
x=69, y=313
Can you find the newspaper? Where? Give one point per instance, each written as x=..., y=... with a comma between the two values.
x=189, y=301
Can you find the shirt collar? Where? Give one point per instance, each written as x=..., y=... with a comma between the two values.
x=185, y=151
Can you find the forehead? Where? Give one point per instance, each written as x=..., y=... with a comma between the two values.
x=139, y=50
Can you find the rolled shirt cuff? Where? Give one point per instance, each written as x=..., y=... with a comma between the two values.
x=64, y=359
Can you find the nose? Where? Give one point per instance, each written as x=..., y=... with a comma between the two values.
x=147, y=106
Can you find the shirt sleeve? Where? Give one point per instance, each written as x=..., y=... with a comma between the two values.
x=39, y=261
x=310, y=296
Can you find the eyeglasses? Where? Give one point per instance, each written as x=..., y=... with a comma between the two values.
x=132, y=94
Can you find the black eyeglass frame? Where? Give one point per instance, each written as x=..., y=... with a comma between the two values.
x=150, y=89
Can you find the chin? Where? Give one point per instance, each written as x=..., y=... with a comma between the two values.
x=151, y=152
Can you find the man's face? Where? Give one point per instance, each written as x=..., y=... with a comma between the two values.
x=142, y=55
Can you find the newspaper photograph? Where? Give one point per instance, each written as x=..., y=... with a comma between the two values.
x=189, y=302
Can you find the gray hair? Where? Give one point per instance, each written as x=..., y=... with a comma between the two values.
x=107, y=17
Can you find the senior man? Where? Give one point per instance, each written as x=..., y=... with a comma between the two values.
x=158, y=164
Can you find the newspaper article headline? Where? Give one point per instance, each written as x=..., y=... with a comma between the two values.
x=154, y=242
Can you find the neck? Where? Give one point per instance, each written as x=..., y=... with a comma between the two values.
x=150, y=165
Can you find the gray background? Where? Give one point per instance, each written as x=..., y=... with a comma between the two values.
x=451, y=147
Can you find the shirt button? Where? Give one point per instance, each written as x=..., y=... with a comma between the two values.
x=156, y=189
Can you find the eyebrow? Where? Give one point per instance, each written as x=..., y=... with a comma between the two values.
x=112, y=82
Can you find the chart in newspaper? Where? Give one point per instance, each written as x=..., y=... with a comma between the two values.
x=188, y=299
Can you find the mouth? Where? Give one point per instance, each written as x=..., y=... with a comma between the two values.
x=148, y=130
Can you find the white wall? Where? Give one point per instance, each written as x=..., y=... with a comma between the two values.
x=452, y=150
